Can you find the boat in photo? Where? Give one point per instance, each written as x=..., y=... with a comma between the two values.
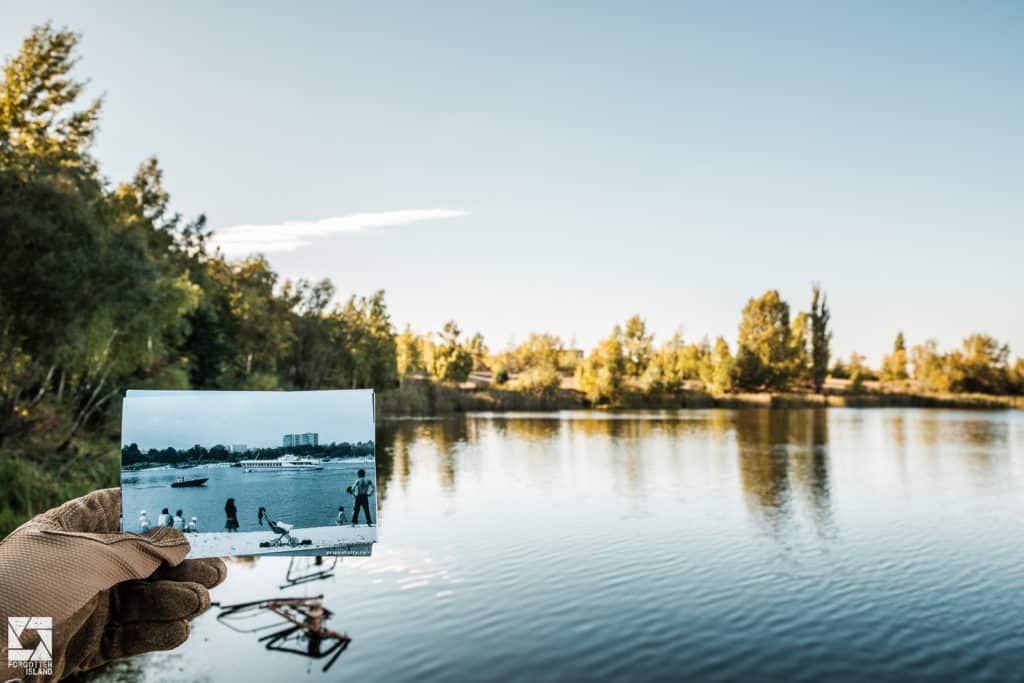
x=182, y=482
x=286, y=463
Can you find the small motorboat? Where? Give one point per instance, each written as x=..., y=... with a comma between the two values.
x=182, y=482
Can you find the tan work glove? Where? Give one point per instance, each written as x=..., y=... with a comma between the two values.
x=109, y=594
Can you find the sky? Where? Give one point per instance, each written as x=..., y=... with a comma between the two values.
x=258, y=419
x=558, y=167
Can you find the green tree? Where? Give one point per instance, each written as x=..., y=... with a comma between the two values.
x=452, y=361
x=858, y=372
x=409, y=357
x=312, y=356
x=41, y=133
x=930, y=369
x=637, y=346
x=894, y=365
x=983, y=366
x=478, y=349
x=600, y=376
x=717, y=368
x=821, y=337
x=538, y=351
x=664, y=372
x=800, y=357
x=369, y=337
x=763, y=359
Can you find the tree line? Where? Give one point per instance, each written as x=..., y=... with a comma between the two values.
x=133, y=455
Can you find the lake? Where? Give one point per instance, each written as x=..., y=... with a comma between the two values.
x=719, y=545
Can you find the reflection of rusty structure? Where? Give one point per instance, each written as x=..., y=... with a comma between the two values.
x=304, y=632
x=303, y=570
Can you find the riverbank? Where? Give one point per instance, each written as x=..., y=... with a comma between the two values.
x=428, y=399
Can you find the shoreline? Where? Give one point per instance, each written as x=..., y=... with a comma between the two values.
x=427, y=399
x=224, y=463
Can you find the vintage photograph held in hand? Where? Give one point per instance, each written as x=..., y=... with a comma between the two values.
x=252, y=472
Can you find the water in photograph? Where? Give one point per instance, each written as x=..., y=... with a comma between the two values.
x=305, y=498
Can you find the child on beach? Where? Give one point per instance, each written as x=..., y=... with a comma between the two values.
x=164, y=519
x=143, y=522
x=192, y=526
x=179, y=522
x=342, y=519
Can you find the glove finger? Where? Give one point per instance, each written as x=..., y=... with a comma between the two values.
x=126, y=640
x=209, y=571
x=157, y=601
x=96, y=512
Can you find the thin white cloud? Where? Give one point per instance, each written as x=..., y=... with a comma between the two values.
x=242, y=240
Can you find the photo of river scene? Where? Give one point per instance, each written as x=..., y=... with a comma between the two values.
x=252, y=472
x=713, y=545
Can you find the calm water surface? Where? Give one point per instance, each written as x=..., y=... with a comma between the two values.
x=754, y=545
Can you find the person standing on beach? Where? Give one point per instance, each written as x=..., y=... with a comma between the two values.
x=232, y=514
x=362, y=489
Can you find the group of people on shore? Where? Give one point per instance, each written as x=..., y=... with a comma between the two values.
x=361, y=489
x=177, y=521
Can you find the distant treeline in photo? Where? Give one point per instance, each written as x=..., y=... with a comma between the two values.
x=103, y=286
x=133, y=455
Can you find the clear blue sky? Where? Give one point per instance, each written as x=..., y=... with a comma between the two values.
x=665, y=160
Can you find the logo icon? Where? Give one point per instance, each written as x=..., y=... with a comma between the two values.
x=35, y=660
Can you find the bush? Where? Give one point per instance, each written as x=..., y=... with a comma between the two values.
x=539, y=381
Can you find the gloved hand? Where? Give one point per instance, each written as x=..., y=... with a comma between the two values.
x=109, y=594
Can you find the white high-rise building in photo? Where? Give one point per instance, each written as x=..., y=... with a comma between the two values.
x=307, y=439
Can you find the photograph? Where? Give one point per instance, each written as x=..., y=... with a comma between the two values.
x=252, y=472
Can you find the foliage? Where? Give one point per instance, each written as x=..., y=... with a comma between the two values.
x=132, y=455
x=538, y=351
x=499, y=373
x=718, y=368
x=858, y=372
x=821, y=337
x=800, y=349
x=637, y=347
x=981, y=365
x=600, y=375
x=894, y=365
x=451, y=361
x=764, y=357
x=540, y=380
x=408, y=354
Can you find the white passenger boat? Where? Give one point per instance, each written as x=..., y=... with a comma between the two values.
x=286, y=463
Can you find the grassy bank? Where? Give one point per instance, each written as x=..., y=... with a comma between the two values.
x=422, y=399
x=35, y=475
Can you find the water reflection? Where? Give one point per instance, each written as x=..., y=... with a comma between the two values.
x=782, y=456
x=300, y=626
